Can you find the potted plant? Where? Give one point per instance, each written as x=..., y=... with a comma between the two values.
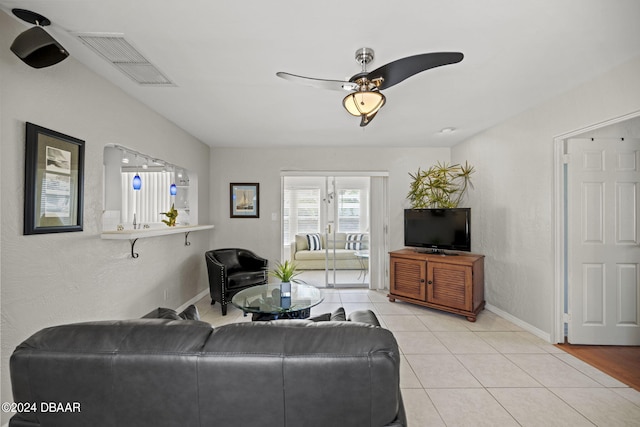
x=440, y=186
x=286, y=272
x=171, y=216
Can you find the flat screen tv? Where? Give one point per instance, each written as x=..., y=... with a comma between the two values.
x=438, y=229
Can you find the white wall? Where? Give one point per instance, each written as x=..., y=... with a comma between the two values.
x=264, y=166
x=513, y=198
x=71, y=277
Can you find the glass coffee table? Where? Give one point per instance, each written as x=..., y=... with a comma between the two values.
x=267, y=302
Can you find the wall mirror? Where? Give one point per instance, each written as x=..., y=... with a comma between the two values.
x=138, y=188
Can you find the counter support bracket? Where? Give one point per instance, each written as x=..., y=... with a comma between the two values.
x=133, y=243
x=134, y=235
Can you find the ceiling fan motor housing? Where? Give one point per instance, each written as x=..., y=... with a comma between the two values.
x=364, y=56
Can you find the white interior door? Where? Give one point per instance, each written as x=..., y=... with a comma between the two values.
x=603, y=242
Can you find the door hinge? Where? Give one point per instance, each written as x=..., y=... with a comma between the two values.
x=566, y=158
x=566, y=317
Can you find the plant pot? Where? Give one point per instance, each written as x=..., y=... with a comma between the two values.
x=285, y=289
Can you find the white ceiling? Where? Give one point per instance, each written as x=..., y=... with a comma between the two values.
x=223, y=57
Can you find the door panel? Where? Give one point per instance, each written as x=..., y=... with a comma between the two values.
x=603, y=244
x=627, y=276
x=409, y=278
x=449, y=285
x=593, y=294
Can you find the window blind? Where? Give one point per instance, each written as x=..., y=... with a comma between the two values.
x=152, y=198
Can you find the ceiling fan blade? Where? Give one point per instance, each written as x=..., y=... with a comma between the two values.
x=319, y=83
x=396, y=71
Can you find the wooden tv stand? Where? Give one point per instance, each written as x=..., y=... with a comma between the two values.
x=453, y=283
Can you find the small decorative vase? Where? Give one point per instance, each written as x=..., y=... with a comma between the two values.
x=285, y=289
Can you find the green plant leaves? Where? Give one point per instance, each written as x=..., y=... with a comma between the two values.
x=440, y=186
x=285, y=271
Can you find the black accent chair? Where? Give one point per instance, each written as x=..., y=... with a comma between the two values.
x=232, y=270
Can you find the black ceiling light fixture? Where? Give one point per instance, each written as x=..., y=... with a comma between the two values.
x=35, y=47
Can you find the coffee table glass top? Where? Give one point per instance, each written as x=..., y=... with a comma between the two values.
x=268, y=299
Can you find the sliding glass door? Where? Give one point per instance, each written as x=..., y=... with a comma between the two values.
x=347, y=231
x=327, y=228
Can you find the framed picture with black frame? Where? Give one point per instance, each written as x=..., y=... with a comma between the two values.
x=244, y=200
x=53, y=181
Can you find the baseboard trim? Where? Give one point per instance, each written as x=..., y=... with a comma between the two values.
x=524, y=325
x=193, y=300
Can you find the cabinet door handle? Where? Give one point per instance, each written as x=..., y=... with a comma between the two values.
x=421, y=280
x=430, y=282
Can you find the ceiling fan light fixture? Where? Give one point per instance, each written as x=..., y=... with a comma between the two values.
x=366, y=100
x=363, y=103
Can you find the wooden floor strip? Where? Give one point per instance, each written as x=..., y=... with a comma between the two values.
x=620, y=362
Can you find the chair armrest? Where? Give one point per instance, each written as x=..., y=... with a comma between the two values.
x=252, y=261
x=217, y=270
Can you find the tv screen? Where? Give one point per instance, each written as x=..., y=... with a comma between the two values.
x=438, y=229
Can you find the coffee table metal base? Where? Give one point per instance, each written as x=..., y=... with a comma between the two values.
x=300, y=314
x=273, y=301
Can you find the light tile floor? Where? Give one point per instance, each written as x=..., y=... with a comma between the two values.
x=491, y=372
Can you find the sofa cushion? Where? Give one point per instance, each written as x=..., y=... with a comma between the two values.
x=314, y=255
x=301, y=242
x=354, y=241
x=189, y=313
x=361, y=316
x=162, y=313
x=364, y=316
x=314, y=242
x=229, y=259
x=336, y=241
x=338, y=315
x=245, y=278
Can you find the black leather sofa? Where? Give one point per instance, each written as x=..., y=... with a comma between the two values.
x=160, y=372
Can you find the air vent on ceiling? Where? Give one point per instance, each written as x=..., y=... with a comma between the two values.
x=115, y=49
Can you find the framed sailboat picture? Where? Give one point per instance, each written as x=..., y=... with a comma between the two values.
x=244, y=200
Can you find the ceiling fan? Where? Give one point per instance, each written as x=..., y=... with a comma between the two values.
x=366, y=99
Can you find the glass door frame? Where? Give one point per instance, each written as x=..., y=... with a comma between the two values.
x=332, y=204
x=378, y=208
